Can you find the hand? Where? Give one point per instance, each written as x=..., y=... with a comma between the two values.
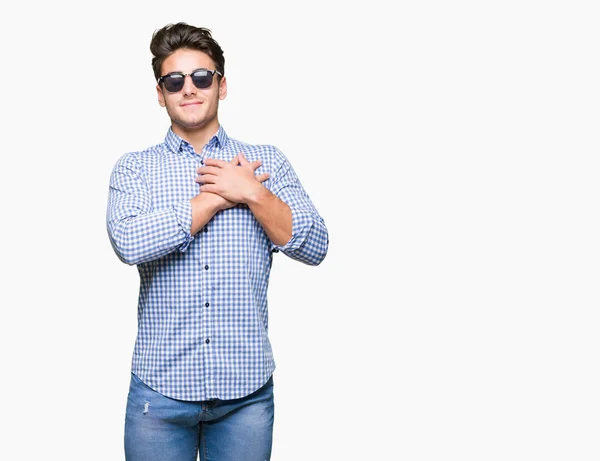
x=234, y=181
x=213, y=201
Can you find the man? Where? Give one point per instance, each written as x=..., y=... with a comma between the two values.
x=201, y=215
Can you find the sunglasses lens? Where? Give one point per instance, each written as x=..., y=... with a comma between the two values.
x=174, y=82
x=202, y=78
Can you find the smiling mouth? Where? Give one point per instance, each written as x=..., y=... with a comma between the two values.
x=195, y=103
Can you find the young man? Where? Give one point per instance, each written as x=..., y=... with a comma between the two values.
x=201, y=215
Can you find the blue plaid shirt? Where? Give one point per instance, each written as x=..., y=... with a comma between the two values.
x=202, y=310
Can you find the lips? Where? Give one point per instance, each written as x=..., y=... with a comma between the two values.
x=192, y=103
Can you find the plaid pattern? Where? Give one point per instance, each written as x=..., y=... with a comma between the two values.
x=202, y=311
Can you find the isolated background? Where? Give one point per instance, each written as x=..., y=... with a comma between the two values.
x=452, y=148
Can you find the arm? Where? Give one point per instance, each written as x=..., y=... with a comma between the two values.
x=235, y=182
x=140, y=234
x=205, y=205
x=310, y=239
x=137, y=232
x=287, y=215
x=273, y=214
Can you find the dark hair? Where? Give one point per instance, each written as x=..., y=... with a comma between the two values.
x=172, y=37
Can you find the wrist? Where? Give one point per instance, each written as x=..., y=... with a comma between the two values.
x=204, y=201
x=257, y=195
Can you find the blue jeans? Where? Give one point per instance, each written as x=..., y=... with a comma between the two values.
x=158, y=428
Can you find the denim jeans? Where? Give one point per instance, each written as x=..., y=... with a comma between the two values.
x=158, y=428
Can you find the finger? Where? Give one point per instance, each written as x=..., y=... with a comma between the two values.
x=206, y=179
x=256, y=164
x=235, y=161
x=243, y=160
x=262, y=177
x=208, y=188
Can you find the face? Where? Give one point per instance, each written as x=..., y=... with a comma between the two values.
x=191, y=109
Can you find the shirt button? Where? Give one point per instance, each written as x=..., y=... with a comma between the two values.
x=207, y=341
x=207, y=304
x=206, y=267
x=205, y=229
x=201, y=162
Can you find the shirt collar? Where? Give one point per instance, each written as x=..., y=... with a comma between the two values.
x=178, y=144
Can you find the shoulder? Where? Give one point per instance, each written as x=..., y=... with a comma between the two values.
x=264, y=152
x=142, y=158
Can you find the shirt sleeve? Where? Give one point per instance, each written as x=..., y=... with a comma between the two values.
x=310, y=238
x=137, y=232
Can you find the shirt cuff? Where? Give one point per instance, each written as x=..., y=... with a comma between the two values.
x=302, y=222
x=183, y=215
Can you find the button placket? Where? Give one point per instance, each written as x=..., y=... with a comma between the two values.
x=206, y=254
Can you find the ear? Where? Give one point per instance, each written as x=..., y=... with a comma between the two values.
x=223, y=88
x=161, y=97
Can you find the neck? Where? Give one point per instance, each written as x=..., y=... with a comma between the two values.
x=196, y=136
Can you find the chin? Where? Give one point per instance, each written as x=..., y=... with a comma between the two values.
x=191, y=124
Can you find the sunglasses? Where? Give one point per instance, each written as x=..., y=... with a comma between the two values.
x=202, y=78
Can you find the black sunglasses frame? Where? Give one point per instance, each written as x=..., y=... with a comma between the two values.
x=161, y=80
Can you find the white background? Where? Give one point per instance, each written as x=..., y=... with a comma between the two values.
x=452, y=149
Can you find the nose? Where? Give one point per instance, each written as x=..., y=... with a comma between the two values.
x=188, y=86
